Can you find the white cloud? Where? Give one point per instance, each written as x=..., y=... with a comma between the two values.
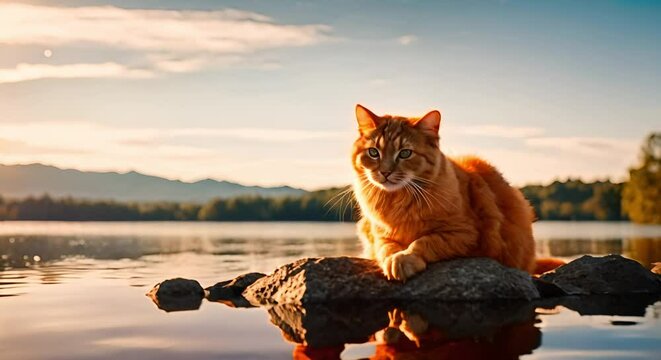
x=501, y=131
x=587, y=146
x=533, y=158
x=224, y=31
x=167, y=40
x=378, y=82
x=25, y=72
x=406, y=39
x=523, y=166
x=268, y=135
x=85, y=135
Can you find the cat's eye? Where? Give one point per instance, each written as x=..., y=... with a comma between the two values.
x=373, y=153
x=405, y=154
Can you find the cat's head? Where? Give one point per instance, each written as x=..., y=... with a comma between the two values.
x=392, y=151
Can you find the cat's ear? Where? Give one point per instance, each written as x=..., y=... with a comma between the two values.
x=367, y=120
x=429, y=123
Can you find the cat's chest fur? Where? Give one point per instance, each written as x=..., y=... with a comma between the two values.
x=404, y=223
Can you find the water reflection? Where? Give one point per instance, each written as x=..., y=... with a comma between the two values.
x=644, y=250
x=27, y=251
x=426, y=330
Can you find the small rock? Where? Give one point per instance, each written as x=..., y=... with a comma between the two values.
x=177, y=294
x=229, y=291
x=610, y=274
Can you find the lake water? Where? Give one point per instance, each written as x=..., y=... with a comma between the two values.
x=77, y=291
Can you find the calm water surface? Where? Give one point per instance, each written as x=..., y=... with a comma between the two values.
x=77, y=291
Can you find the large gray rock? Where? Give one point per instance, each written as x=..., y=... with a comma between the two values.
x=610, y=274
x=473, y=279
x=313, y=280
x=321, y=280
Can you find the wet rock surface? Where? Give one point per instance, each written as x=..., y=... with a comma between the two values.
x=230, y=290
x=177, y=294
x=476, y=279
x=610, y=274
x=547, y=289
x=321, y=280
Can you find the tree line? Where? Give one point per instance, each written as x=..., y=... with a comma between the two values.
x=568, y=200
x=639, y=200
x=314, y=206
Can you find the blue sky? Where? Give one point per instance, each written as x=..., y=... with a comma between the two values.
x=262, y=92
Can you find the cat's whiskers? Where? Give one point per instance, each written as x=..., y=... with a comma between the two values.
x=367, y=188
x=339, y=199
x=424, y=180
x=337, y=196
x=444, y=193
x=424, y=196
x=347, y=197
x=412, y=192
x=430, y=196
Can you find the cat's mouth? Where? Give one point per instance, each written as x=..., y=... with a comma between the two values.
x=390, y=184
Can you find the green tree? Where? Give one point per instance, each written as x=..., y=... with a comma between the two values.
x=641, y=197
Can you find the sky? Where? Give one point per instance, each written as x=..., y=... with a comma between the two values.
x=263, y=92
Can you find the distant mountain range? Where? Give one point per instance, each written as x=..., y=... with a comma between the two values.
x=19, y=181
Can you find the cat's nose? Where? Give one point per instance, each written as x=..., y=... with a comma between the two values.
x=385, y=173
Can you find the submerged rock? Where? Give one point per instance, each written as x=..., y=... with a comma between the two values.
x=177, y=294
x=612, y=274
x=320, y=280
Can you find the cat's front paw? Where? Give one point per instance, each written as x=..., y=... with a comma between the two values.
x=401, y=266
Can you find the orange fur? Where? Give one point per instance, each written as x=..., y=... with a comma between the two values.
x=427, y=207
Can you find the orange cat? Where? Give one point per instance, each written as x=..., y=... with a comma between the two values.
x=420, y=206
